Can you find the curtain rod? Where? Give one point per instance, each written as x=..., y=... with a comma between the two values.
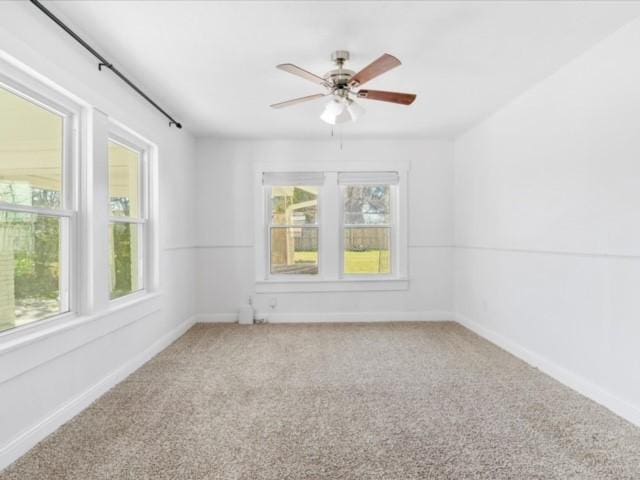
x=103, y=61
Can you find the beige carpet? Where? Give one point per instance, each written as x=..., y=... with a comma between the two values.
x=353, y=401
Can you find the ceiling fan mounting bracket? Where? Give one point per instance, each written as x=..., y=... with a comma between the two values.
x=340, y=57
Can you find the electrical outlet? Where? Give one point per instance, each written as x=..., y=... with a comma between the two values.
x=273, y=303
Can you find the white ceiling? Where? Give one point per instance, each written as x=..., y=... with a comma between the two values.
x=212, y=63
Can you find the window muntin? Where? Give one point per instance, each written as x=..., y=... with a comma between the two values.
x=293, y=230
x=128, y=218
x=367, y=227
x=35, y=210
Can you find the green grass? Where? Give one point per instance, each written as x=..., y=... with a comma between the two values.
x=370, y=262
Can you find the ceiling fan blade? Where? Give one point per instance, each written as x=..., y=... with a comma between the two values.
x=301, y=72
x=393, y=97
x=383, y=64
x=295, y=101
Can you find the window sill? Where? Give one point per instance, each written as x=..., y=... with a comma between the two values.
x=80, y=330
x=342, y=285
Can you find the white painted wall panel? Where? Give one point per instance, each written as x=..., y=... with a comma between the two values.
x=226, y=224
x=549, y=188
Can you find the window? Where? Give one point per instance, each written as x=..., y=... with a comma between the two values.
x=127, y=217
x=293, y=223
x=78, y=210
x=36, y=207
x=332, y=226
x=367, y=222
x=367, y=229
x=294, y=230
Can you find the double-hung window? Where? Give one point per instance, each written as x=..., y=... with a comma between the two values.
x=332, y=230
x=128, y=215
x=37, y=206
x=78, y=209
x=367, y=222
x=293, y=222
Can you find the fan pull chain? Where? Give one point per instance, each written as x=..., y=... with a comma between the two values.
x=340, y=137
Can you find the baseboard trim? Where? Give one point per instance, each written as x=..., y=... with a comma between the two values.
x=333, y=317
x=216, y=318
x=24, y=442
x=346, y=317
x=576, y=382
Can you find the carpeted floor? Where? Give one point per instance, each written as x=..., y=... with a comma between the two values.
x=354, y=401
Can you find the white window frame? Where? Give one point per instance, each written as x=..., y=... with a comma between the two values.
x=270, y=226
x=125, y=137
x=393, y=240
x=91, y=314
x=30, y=89
x=330, y=234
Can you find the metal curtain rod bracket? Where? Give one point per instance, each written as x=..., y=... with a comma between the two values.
x=103, y=61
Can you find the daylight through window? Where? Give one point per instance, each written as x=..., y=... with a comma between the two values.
x=35, y=212
x=294, y=230
x=126, y=229
x=367, y=229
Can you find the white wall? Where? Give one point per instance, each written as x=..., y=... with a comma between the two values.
x=48, y=379
x=226, y=275
x=547, y=224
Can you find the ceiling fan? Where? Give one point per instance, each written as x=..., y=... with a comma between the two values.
x=343, y=86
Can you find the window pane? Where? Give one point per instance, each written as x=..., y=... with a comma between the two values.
x=294, y=205
x=124, y=181
x=294, y=250
x=30, y=153
x=29, y=268
x=367, y=204
x=126, y=275
x=366, y=250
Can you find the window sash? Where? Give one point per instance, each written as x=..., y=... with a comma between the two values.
x=270, y=226
x=346, y=180
x=69, y=186
x=121, y=136
x=66, y=229
x=143, y=181
x=67, y=212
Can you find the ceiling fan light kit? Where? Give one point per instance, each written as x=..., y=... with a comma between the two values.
x=343, y=86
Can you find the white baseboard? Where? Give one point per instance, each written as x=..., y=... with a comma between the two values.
x=332, y=317
x=24, y=442
x=576, y=382
x=216, y=318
